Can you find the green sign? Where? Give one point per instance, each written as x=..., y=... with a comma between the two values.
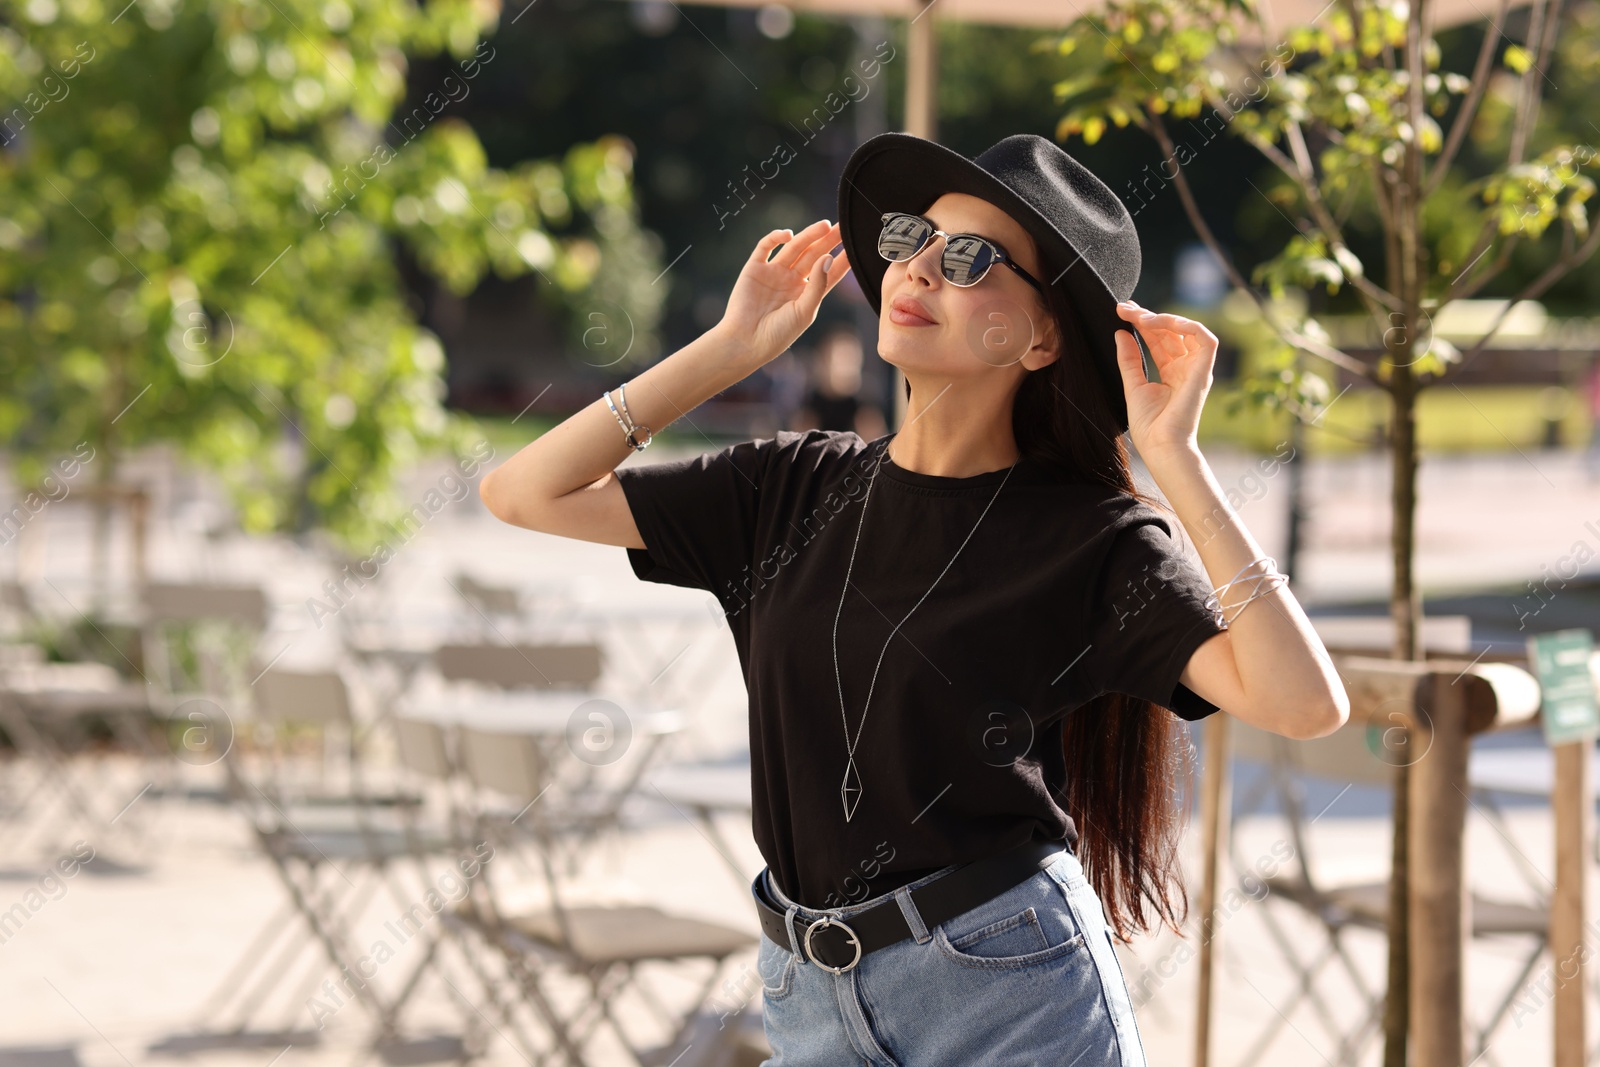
x=1561, y=662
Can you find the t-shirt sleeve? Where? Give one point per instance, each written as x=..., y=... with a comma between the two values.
x=697, y=515
x=1147, y=616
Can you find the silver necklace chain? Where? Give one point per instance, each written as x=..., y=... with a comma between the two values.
x=846, y=788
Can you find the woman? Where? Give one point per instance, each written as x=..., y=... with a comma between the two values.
x=997, y=635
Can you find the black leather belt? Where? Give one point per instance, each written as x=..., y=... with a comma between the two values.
x=837, y=945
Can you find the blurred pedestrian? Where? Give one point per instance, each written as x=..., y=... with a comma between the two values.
x=788, y=386
x=834, y=400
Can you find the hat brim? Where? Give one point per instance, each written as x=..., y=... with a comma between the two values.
x=902, y=172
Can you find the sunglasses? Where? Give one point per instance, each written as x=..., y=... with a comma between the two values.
x=966, y=258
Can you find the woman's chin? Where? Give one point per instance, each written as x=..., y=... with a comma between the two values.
x=909, y=357
x=901, y=351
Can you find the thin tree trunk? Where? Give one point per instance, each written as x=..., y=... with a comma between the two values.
x=105, y=478
x=100, y=544
x=1405, y=600
x=1405, y=609
x=1297, y=502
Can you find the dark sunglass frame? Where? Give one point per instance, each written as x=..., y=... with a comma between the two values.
x=996, y=253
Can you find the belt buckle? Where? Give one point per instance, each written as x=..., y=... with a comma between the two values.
x=828, y=920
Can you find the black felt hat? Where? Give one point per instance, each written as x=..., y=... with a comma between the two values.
x=1084, y=234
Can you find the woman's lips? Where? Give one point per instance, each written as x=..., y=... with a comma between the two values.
x=906, y=318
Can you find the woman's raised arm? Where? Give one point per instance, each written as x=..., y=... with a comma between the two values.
x=561, y=482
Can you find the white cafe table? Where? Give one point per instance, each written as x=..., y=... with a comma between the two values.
x=705, y=791
x=553, y=718
x=536, y=712
x=71, y=688
x=652, y=641
x=35, y=697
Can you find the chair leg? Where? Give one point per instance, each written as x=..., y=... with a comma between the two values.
x=1483, y=1035
x=329, y=931
x=604, y=984
x=270, y=976
x=58, y=768
x=603, y=1001
x=391, y=1016
x=1306, y=989
x=686, y=1023
x=528, y=982
x=627, y=979
x=504, y=1006
x=271, y=931
x=1281, y=1013
x=1350, y=1046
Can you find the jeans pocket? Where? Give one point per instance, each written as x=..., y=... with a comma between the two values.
x=1012, y=942
x=776, y=965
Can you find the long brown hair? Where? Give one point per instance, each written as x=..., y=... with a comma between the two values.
x=1124, y=756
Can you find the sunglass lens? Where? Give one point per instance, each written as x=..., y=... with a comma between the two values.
x=967, y=259
x=902, y=237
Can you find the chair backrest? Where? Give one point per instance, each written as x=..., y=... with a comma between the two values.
x=319, y=697
x=188, y=602
x=20, y=654
x=490, y=599
x=521, y=666
x=1353, y=753
x=15, y=595
x=422, y=748
x=508, y=763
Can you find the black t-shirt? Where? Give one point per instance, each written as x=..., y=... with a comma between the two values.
x=1063, y=592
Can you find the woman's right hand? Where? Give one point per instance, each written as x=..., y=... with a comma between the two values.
x=774, y=301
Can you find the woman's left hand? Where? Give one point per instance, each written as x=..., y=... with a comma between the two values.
x=1164, y=416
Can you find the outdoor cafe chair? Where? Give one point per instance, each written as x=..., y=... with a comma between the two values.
x=1348, y=757
x=19, y=617
x=1525, y=773
x=605, y=945
x=46, y=710
x=316, y=709
x=497, y=678
x=592, y=755
x=489, y=608
x=332, y=851
x=426, y=752
x=703, y=791
x=198, y=641
x=521, y=666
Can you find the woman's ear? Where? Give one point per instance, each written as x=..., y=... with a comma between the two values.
x=1047, y=347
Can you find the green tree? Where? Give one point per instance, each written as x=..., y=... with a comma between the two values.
x=1365, y=127
x=201, y=210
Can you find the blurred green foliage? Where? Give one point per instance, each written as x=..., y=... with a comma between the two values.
x=1328, y=106
x=201, y=207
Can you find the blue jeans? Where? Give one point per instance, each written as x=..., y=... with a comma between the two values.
x=1028, y=978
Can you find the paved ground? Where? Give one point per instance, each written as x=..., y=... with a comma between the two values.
x=116, y=965
x=123, y=965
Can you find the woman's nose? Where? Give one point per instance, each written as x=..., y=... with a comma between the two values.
x=925, y=266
